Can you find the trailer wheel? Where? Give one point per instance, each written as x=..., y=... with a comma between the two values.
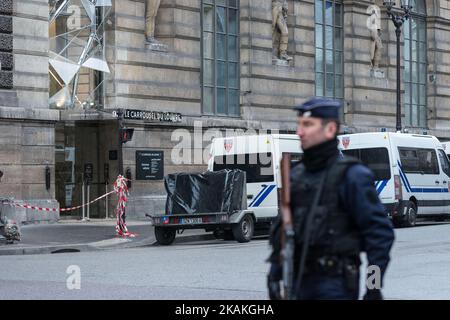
x=244, y=229
x=164, y=236
x=411, y=215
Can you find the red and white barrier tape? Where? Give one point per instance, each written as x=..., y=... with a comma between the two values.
x=28, y=206
x=120, y=187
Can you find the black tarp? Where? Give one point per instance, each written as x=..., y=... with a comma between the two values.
x=209, y=192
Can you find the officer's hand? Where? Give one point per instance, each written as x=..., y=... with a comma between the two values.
x=373, y=294
x=274, y=288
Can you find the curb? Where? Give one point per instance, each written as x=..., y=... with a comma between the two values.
x=74, y=248
x=45, y=249
x=107, y=244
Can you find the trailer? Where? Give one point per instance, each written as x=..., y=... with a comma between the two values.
x=239, y=225
x=213, y=201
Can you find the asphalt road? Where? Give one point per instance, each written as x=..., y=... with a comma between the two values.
x=211, y=269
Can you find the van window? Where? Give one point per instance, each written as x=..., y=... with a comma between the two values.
x=258, y=166
x=377, y=159
x=445, y=164
x=415, y=160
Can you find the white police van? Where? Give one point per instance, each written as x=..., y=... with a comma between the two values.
x=412, y=173
x=259, y=156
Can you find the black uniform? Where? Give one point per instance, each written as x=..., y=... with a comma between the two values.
x=348, y=219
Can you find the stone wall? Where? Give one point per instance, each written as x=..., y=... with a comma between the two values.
x=149, y=196
x=370, y=98
x=269, y=91
x=151, y=80
x=26, y=123
x=27, y=148
x=439, y=67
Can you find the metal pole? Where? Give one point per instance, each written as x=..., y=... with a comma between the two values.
x=398, y=19
x=119, y=146
x=84, y=54
x=106, y=201
x=88, y=197
x=398, y=32
x=82, y=200
x=120, y=155
x=61, y=7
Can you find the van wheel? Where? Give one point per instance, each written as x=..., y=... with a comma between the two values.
x=411, y=215
x=164, y=236
x=244, y=229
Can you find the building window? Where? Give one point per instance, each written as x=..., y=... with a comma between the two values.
x=329, y=49
x=220, y=51
x=415, y=60
x=77, y=54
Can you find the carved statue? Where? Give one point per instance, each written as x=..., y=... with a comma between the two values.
x=375, y=48
x=279, y=24
x=151, y=10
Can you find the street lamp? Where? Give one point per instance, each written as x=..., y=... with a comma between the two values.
x=398, y=17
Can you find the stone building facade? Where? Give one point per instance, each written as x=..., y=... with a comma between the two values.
x=215, y=66
x=27, y=125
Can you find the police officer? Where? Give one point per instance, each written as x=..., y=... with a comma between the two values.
x=337, y=214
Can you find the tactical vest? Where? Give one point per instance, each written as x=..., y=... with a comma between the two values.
x=333, y=231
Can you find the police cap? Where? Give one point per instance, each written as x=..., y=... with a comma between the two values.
x=319, y=108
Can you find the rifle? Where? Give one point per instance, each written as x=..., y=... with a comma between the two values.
x=287, y=229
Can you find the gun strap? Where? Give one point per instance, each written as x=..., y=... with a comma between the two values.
x=307, y=231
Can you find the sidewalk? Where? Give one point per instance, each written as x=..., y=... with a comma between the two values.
x=97, y=234
x=76, y=236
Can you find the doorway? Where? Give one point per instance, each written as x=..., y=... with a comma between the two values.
x=86, y=159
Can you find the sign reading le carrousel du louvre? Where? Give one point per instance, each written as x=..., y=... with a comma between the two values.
x=150, y=115
x=149, y=165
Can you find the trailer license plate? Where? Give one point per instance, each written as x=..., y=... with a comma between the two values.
x=191, y=220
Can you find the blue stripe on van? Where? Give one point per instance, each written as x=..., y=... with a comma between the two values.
x=405, y=181
x=403, y=177
x=264, y=196
x=257, y=196
x=418, y=190
x=381, y=185
x=429, y=190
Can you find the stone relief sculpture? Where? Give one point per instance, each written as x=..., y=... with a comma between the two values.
x=151, y=11
x=376, y=48
x=280, y=29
